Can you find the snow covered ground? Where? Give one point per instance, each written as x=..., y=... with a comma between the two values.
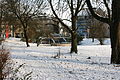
x=91, y=63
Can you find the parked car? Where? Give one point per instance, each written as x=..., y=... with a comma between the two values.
x=52, y=42
x=60, y=40
x=47, y=41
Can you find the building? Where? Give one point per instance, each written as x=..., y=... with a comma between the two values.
x=86, y=23
x=82, y=24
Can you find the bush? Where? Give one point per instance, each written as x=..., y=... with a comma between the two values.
x=4, y=62
x=7, y=70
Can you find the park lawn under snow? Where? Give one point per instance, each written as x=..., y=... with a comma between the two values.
x=91, y=63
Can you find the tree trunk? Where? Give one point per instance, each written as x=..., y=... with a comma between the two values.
x=115, y=45
x=114, y=28
x=13, y=30
x=74, y=35
x=115, y=32
x=26, y=37
x=93, y=39
x=101, y=42
x=74, y=42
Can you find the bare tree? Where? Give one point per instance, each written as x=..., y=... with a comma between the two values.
x=114, y=22
x=6, y=18
x=2, y=11
x=73, y=7
x=98, y=29
x=25, y=10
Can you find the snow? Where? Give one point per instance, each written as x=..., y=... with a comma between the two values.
x=96, y=42
x=91, y=63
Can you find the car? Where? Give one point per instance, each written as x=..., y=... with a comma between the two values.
x=52, y=41
x=47, y=41
x=60, y=40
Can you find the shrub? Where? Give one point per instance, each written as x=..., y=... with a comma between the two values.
x=7, y=69
x=4, y=62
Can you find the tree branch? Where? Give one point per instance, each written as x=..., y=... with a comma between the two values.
x=67, y=27
x=81, y=7
x=108, y=9
x=102, y=19
x=72, y=9
x=78, y=6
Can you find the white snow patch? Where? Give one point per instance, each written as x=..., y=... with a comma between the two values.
x=91, y=62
